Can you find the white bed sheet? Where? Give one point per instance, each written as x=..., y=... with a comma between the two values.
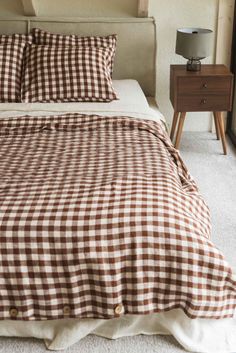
x=199, y=335
x=132, y=102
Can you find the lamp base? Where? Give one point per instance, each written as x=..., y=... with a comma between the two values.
x=193, y=65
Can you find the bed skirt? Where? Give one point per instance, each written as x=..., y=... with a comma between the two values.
x=194, y=335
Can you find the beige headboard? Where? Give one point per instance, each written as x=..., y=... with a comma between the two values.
x=136, y=49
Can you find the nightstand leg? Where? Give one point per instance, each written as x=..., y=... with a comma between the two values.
x=174, y=123
x=180, y=129
x=216, y=125
x=220, y=119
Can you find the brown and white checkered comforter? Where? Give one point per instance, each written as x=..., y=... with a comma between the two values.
x=99, y=216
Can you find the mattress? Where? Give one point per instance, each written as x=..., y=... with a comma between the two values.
x=194, y=335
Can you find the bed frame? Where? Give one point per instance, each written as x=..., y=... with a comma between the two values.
x=136, y=48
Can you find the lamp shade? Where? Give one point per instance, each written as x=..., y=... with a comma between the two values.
x=194, y=43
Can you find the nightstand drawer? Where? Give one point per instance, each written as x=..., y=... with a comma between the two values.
x=203, y=103
x=207, y=90
x=201, y=85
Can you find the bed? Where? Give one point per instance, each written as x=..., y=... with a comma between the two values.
x=113, y=240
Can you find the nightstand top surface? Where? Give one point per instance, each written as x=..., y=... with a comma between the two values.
x=206, y=70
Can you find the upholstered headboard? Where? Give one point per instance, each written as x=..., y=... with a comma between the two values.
x=136, y=48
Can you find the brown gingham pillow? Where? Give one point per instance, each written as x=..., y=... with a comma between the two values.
x=11, y=64
x=66, y=74
x=47, y=38
x=23, y=38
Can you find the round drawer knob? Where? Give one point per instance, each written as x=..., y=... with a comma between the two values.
x=204, y=85
x=203, y=101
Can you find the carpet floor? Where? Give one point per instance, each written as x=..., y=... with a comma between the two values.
x=215, y=175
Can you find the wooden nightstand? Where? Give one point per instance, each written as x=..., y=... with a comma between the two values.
x=207, y=90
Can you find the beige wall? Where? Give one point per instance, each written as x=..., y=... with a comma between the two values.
x=87, y=8
x=77, y=8
x=169, y=15
x=224, y=32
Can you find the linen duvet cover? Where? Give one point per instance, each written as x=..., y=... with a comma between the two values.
x=99, y=218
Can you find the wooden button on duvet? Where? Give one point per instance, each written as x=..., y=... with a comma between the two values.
x=119, y=309
x=66, y=310
x=13, y=312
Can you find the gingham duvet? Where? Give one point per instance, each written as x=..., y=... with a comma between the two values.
x=99, y=217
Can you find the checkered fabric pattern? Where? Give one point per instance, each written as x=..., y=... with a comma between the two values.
x=23, y=38
x=47, y=38
x=11, y=60
x=11, y=63
x=66, y=74
x=99, y=217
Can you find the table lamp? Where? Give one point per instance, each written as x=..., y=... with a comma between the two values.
x=194, y=44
